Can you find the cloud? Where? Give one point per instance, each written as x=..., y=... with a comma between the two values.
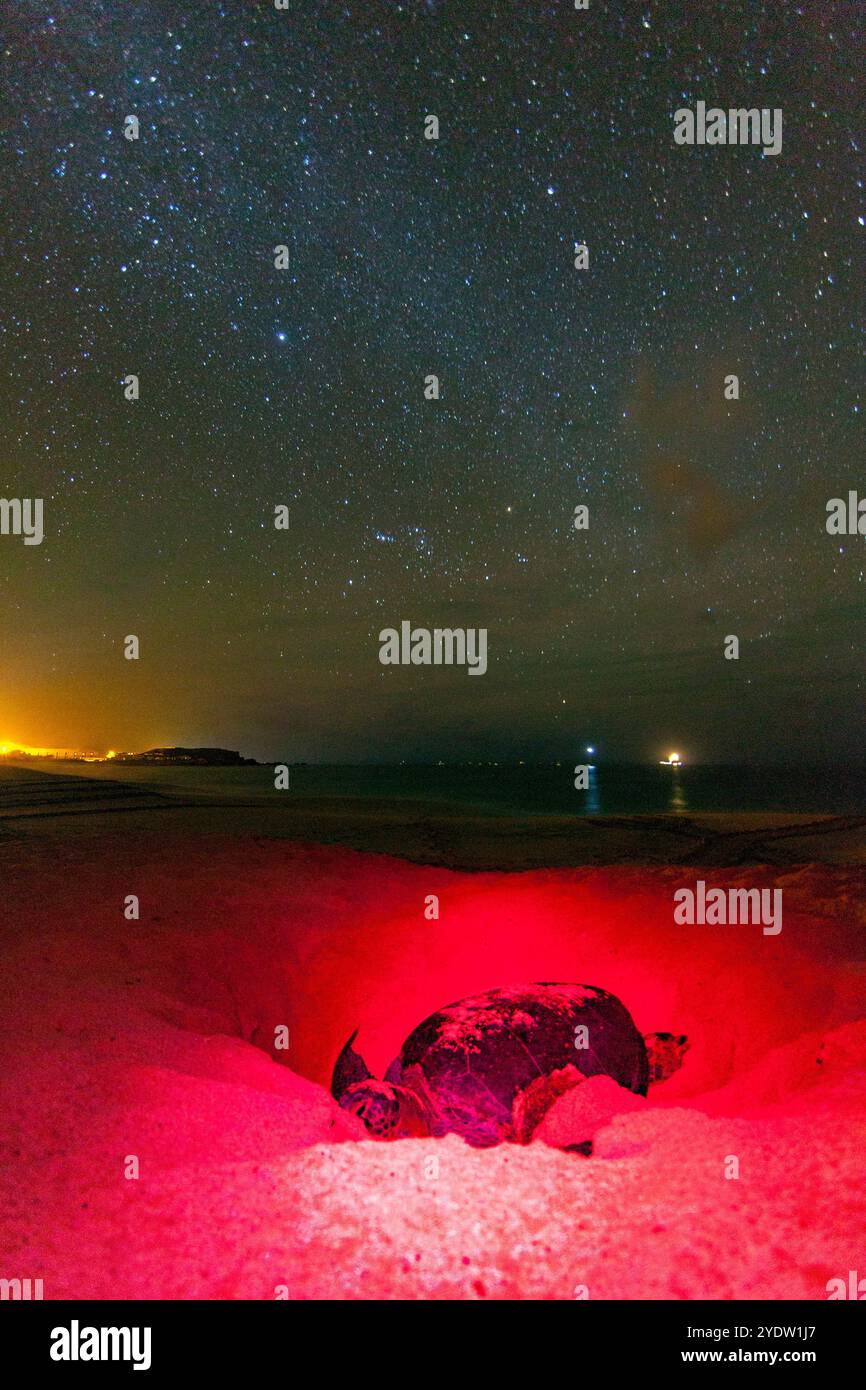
x=686, y=436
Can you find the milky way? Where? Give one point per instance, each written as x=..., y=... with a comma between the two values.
x=410, y=257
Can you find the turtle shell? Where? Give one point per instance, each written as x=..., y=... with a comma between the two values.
x=487, y=1067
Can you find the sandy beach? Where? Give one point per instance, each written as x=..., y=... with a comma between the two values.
x=153, y=1040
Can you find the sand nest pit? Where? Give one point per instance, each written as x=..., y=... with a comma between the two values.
x=156, y=1043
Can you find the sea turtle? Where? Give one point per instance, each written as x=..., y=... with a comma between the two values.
x=488, y=1067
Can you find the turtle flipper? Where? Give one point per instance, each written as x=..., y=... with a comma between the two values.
x=394, y=1074
x=666, y=1053
x=348, y=1068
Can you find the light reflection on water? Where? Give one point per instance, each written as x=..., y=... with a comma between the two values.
x=592, y=797
x=678, y=799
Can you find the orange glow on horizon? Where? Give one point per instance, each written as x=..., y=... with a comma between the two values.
x=10, y=746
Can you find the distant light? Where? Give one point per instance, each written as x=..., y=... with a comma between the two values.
x=672, y=760
x=590, y=750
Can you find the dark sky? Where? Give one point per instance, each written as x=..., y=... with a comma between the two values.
x=409, y=257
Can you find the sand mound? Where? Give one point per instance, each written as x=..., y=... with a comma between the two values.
x=577, y=1116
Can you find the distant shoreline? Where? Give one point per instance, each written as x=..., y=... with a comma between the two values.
x=509, y=764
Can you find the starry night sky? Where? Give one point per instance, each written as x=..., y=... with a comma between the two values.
x=410, y=257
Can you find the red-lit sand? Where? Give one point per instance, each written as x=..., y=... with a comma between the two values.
x=124, y=1038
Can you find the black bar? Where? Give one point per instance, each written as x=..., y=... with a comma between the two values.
x=244, y=1338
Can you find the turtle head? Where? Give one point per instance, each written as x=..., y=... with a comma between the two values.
x=388, y=1110
x=377, y=1103
x=665, y=1054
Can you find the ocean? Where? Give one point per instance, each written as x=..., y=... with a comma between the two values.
x=613, y=790
x=506, y=790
